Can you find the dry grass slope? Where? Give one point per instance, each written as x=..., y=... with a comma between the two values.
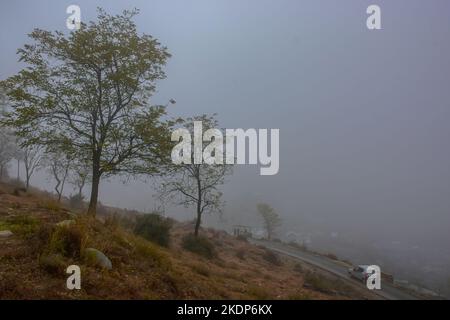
x=34, y=259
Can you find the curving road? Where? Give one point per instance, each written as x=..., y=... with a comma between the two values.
x=387, y=291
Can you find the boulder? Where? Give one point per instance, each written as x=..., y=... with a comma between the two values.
x=5, y=234
x=97, y=258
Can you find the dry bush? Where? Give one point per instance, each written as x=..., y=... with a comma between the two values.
x=272, y=258
x=199, y=245
x=154, y=227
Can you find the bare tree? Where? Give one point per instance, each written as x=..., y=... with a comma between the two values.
x=270, y=218
x=32, y=159
x=80, y=177
x=196, y=184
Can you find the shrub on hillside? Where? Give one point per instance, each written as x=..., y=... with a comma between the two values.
x=67, y=241
x=199, y=245
x=154, y=227
x=272, y=258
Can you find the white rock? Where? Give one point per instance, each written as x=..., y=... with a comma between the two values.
x=5, y=234
x=98, y=258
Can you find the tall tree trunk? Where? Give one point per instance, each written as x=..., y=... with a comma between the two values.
x=27, y=171
x=199, y=207
x=199, y=219
x=63, y=183
x=92, y=210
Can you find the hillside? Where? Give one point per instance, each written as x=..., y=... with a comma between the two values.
x=34, y=258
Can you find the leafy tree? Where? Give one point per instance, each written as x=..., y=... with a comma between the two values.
x=271, y=219
x=196, y=184
x=87, y=94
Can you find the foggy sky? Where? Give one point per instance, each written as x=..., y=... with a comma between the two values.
x=363, y=115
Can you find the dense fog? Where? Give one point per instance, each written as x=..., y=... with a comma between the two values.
x=363, y=116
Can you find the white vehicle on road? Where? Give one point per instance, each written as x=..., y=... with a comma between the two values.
x=359, y=272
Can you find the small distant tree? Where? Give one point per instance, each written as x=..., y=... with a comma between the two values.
x=79, y=177
x=196, y=184
x=32, y=159
x=59, y=167
x=271, y=219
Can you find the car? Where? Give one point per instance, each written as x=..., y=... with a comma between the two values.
x=359, y=272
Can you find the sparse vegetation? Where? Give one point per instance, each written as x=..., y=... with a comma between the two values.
x=23, y=225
